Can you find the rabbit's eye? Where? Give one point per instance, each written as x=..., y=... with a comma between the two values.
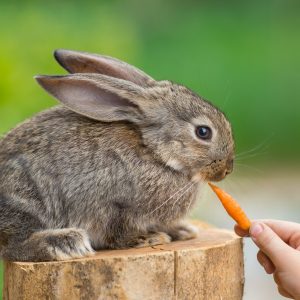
x=203, y=132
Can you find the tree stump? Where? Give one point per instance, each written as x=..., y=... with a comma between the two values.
x=209, y=267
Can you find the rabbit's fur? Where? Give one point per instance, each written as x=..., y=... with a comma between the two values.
x=118, y=165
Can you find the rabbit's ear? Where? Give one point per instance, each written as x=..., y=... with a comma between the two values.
x=81, y=62
x=98, y=96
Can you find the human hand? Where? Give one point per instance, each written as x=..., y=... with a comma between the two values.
x=279, y=254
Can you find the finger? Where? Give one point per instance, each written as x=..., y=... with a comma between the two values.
x=284, y=293
x=241, y=232
x=264, y=260
x=277, y=279
x=270, y=243
x=281, y=290
x=284, y=229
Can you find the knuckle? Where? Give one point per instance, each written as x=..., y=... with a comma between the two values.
x=283, y=292
x=268, y=240
x=277, y=279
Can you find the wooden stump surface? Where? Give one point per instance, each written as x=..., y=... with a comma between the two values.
x=209, y=267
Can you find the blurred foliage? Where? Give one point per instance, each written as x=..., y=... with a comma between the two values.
x=242, y=55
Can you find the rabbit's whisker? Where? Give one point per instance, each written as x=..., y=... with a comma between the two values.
x=190, y=202
x=166, y=201
x=249, y=167
x=173, y=206
x=261, y=146
x=251, y=156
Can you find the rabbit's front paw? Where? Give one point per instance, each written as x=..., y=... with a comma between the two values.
x=50, y=244
x=64, y=244
x=183, y=232
x=153, y=239
x=69, y=243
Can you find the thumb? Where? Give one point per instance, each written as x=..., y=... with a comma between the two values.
x=270, y=243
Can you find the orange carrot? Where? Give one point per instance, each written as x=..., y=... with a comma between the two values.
x=232, y=207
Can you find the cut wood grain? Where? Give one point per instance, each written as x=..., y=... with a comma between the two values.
x=209, y=267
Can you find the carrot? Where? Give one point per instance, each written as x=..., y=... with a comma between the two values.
x=232, y=207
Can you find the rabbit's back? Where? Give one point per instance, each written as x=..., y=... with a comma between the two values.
x=71, y=170
x=61, y=154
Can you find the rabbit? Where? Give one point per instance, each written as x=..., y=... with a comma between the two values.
x=117, y=164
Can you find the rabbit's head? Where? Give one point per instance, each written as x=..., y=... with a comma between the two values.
x=183, y=131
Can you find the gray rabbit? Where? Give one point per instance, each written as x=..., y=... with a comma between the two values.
x=118, y=165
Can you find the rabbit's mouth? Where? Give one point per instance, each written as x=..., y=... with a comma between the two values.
x=217, y=170
x=217, y=176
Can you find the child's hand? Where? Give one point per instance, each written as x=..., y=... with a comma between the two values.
x=279, y=254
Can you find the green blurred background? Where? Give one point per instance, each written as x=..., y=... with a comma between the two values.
x=244, y=56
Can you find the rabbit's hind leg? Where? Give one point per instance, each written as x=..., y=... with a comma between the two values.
x=123, y=232
x=51, y=244
x=140, y=240
x=183, y=231
x=151, y=239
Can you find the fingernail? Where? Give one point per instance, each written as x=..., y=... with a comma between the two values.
x=256, y=229
x=264, y=265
